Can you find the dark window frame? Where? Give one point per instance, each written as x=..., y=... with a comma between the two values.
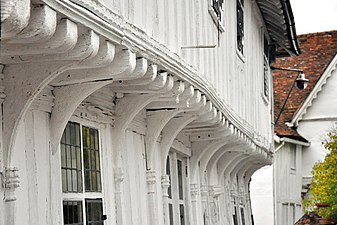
x=216, y=10
x=217, y=6
x=240, y=26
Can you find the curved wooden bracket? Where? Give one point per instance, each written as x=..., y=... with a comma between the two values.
x=169, y=133
x=198, y=150
x=67, y=99
x=155, y=124
x=34, y=78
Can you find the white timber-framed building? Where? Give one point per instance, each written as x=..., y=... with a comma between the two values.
x=133, y=112
x=302, y=129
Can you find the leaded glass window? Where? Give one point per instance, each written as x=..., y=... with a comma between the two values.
x=92, y=174
x=71, y=163
x=80, y=166
x=266, y=72
x=94, y=211
x=176, y=168
x=240, y=25
x=72, y=213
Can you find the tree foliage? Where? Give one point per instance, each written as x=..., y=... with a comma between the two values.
x=323, y=189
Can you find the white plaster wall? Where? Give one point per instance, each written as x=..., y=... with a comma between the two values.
x=313, y=131
x=320, y=118
x=261, y=192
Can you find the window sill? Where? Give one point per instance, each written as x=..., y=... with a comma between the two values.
x=218, y=24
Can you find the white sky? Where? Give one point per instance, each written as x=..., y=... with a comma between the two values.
x=314, y=15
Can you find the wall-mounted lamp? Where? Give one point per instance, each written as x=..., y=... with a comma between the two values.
x=300, y=81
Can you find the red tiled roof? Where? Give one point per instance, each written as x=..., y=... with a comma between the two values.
x=313, y=218
x=318, y=49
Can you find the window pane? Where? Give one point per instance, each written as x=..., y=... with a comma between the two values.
x=72, y=213
x=64, y=180
x=242, y=216
x=91, y=159
x=180, y=180
x=235, y=217
x=171, y=213
x=217, y=7
x=71, y=159
x=168, y=172
x=63, y=156
x=266, y=80
x=182, y=214
x=69, y=181
x=240, y=25
x=94, y=211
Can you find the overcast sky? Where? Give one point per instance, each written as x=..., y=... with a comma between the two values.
x=314, y=15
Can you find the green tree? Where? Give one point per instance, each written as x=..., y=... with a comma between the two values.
x=323, y=188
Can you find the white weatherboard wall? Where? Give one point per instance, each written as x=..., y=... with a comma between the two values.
x=288, y=184
x=118, y=68
x=188, y=23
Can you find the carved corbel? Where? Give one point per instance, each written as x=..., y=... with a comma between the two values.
x=11, y=182
x=122, y=67
x=165, y=184
x=15, y=18
x=194, y=191
x=6, y=8
x=149, y=76
x=151, y=181
x=151, y=190
x=63, y=40
x=158, y=85
x=167, y=101
x=42, y=25
x=204, y=193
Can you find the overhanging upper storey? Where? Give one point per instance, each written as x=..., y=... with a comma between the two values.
x=279, y=20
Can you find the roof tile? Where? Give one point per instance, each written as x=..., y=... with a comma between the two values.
x=318, y=49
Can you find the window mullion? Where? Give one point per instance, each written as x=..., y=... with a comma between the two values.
x=83, y=178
